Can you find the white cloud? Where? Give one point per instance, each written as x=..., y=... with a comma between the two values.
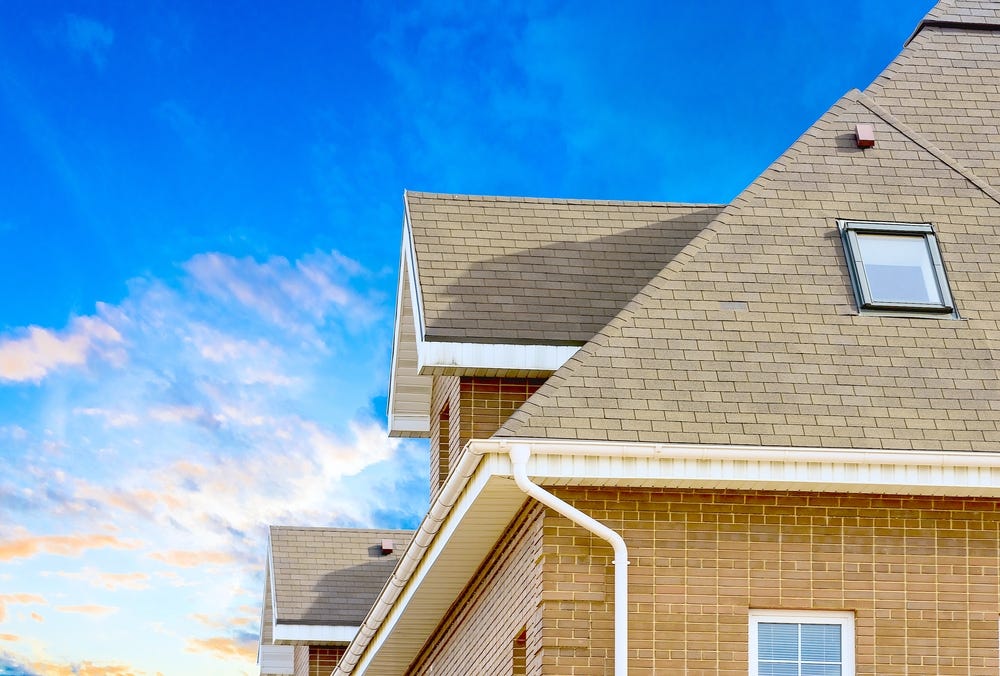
x=38, y=352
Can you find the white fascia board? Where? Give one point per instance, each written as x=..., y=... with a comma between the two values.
x=409, y=255
x=437, y=354
x=409, y=422
x=314, y=633
x=836, y=470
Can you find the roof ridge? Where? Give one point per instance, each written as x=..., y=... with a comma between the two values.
x=557, y=200
x=340, y=529
x=868, y=102
x=513, y=425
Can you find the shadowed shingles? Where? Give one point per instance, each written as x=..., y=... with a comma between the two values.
x=523, y=270
x=330, y=576
x=799, y=366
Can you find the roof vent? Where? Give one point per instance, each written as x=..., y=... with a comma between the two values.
x=387, y=547
x=864, y=134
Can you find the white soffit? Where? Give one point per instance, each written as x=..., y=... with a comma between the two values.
x=489, y=499
x=314, y=633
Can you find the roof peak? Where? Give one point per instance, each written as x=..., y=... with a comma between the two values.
x=965, y=14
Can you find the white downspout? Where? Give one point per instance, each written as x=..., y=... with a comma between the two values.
x=519, y=454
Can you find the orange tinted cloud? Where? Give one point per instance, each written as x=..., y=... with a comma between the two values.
x=224, y=647
x=18, y=598
x=84, y=669
x=37, y=617
x=89, y=609
x=60, y=545
x=9, y=637
x=109, y=581
x=191, y=559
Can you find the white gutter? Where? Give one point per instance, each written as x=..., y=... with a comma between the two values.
x=519, y=454
x=422, y=539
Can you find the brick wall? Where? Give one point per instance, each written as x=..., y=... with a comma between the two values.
x=301, y=660
x=920, y=575
x=476, y=408
x=444, y=437
x=323, y=660
x=478, y=635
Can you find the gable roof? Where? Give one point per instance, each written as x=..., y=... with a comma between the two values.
x=326, y=577
x=529, y=270
x=514, y=285
x=750, y=336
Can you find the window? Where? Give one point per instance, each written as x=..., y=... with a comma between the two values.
x=896, y=267
x=801, y=643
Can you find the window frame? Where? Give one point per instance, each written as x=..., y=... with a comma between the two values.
x=868, y=304
x=845, y=618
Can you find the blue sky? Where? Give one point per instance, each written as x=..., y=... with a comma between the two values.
x=200, y=208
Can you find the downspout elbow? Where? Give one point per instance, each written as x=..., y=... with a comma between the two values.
x=519, y=454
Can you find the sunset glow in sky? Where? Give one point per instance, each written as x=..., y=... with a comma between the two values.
x=200, y=209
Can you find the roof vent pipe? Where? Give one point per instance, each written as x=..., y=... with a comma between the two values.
x=864, y=135
x=519, y=454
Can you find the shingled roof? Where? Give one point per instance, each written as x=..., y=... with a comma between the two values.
x=328, y=576
x=528, y=270
x=751, y=334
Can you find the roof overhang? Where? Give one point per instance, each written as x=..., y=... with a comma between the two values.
x=415, y=360
x=479, y=499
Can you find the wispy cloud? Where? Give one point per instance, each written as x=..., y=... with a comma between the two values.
x=192, y=559
x=38, y=352
x=59, y=545
x=92, y=609
x=9, y=637
x=243, y=647
x=24, y=599
x=88, y=38
x=103, y=580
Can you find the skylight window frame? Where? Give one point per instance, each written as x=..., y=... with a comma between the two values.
x=867, y=303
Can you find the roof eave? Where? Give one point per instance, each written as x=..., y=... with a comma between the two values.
x=479, y=500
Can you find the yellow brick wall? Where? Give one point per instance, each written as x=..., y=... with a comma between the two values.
x=476, y=407
x=920, y=575
x=477, y=636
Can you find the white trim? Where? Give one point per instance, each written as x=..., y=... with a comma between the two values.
x=309, y=633
x=409, y=253
x=490, y=356
x=844, y=618
x=409, y=422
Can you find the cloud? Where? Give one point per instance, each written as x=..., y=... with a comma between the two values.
x=290, y=295
x=88, y=38
x=9, y=637
x=32, y=356
x=89, y=609
x=102, y=580
x=59, y=545
x=248, y=618
x=24, y=599
x=192, y=559
x=224, y=647
x=84, y=668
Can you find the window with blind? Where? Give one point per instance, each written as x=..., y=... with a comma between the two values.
x=801, y=643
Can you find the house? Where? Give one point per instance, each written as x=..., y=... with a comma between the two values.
x=318, y=585
x=761, y=437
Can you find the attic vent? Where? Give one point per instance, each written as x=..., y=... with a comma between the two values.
x=864, y=134
x=387, y=547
